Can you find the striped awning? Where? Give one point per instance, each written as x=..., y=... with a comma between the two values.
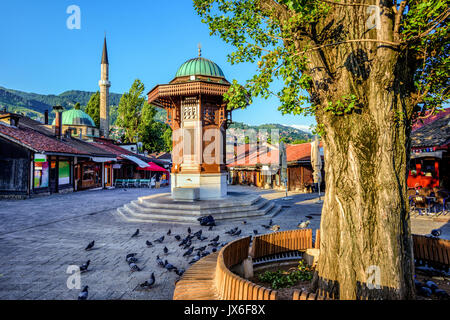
x=136, y=160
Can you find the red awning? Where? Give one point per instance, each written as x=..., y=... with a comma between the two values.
x=153, y=167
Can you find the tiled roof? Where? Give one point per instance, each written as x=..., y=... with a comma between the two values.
x=36, y=136
x=35, y=140
x=420, y=123
x=294, y=153
x=434, y=134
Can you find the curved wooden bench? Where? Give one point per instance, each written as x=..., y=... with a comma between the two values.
x=197, y=283
x=433, y=251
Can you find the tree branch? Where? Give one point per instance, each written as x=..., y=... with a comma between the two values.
x=354, y=40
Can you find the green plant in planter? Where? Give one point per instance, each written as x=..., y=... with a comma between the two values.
x=282, y=279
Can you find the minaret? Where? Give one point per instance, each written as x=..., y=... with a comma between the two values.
x=104, y=93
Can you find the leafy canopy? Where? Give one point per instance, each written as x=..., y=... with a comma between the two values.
x=277, y=35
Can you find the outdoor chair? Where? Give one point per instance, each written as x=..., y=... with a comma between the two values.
x=119, y=183
x=145, y=183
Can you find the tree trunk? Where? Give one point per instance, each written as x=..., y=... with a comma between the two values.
x=365, y=243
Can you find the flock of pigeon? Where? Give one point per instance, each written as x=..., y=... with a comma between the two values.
x=191, y=252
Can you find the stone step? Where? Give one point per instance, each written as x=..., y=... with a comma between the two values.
x=175, y=216
x=160, y=201
x=133, y=215
x=144, y=208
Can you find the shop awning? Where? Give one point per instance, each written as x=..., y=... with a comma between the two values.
x=136, y=160
x=101, y=159
x=435, y=154
x=154, y=167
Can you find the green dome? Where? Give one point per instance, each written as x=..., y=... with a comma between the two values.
x=199, y=66
x=76, y=117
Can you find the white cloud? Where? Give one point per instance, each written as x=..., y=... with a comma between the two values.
x=303, y=127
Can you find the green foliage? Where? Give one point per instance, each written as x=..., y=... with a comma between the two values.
x=345, y=106
x=129, y=111
x=93, y=108
x=77, y=106
x=137, y=121
x=152, y=132
x=282, y=279
x=276, y=36
x=167, y=137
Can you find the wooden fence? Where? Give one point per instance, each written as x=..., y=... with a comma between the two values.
x=230, y=286
x=282, y=241
x=433, y=251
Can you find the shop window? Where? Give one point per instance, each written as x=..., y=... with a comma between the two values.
x=64, y=172
x=428, y=168
x=41, y=170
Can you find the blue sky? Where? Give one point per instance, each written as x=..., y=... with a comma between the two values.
x=147, y=39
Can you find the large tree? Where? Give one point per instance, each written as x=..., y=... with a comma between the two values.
x=151, y=131
x=129, y=111
x=93, y=108
x=366, y=69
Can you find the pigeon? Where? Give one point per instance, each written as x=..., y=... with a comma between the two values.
x=179, y=272
x=309, y=217
x=436, y=232
x=201, y=248
x=442, y=294
x=189, y=230
x=275, y=227
x=134, y=267
x=196, y=258
x=205, y=253
x=214, y=250
x=244, y=222
x=424, y=291
x=187, y=245
x=232, y=231
x=84, y=293
x=166, y=250
x=214, y=244
x=265, y=226
x=210, y=228
x=215, y=239
x=160, y=240
x=130, y=255
x=237, y=233
x=168, y=266
x=169, y=232
x=148, y=283
x=189, y=252
x=433, y=286
x=135, y=234
x=148, y=243
x=201, y=238
x=178, y=237
x=131, y=259
x=84, y=267
x=303, y=224
x=90, y=245
x=159, y=261
x=255, y=231
x=270, y=222
x=198, y=233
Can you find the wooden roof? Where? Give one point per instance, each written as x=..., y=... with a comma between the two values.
x=162, y=94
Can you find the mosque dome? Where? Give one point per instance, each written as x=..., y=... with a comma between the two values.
x=199, y=66
x=76, y=117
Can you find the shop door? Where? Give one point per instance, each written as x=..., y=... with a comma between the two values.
x=53, y=183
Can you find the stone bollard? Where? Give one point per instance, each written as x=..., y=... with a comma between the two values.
x=311, y=256
x=248, y=267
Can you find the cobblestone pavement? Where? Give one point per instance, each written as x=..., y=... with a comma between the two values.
x=41, y=237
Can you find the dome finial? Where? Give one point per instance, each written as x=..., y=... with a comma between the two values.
x=199, y=49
